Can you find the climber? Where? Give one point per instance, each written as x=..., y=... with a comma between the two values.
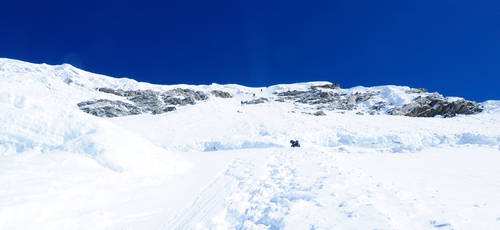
x=295, y=143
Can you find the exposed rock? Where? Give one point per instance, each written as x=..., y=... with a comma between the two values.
x=417, y=90
x=144, y=101
x=108, y=108
x=318, y=97
x=343, y=105
x=255, y=101
x=378, y=106
x=195, y=95
x=290, y=94
x=68, y=81
x=148, y=101
x=169, y=109
x=429, y=106
x=436, y=104
x=183, y=96
x=178, y=101
x=322, y=97
x=117, y=92
x=319, y=113
x=361, y=97
x=221, y=94
x=332, y=99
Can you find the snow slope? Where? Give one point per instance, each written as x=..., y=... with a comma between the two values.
x=219, y=164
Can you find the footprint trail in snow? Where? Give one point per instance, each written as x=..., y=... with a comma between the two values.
x=300, y=189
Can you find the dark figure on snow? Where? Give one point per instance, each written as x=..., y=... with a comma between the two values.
x=295, y=143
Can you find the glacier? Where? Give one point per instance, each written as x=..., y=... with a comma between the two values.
x=80, y=150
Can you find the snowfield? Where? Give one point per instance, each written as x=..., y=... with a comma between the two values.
x=222, y=164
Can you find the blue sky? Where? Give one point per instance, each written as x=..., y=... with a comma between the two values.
x=448, y=46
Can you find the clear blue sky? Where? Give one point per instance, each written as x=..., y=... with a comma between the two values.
x=448, y=46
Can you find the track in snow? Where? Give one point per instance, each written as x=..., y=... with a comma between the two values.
x=298, y=189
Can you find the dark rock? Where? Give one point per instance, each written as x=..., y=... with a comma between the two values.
x=132, y=93
x=178, y=101
x=117, y=92
x=183, y=97
x=321, y=97
x=417, y=90
x=345, y=106
x=317, y=97
x=176, y=96
x=360, y=97
x=289, y=93
x=144, y=101
x=148, y=101
x=169, y=109
x=319, y=113
x=436, y=104
x=331, y=99
x=68, y=81
x=108, y=108
x=378, y=106
x=221, y=94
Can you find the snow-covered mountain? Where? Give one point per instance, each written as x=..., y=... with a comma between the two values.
x=85, y=151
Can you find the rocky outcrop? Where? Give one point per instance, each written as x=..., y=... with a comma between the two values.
x=426, y=105
x=168, y=109
x=117, y=92
x=313, y=96
x=377, y=107
x=108, y=108
x=319, y=113
x=142, y=101
x=360, y=97
x=221, y=94
x=148, y=101
x=417, y=90
x=319, y=97
x=183, y=96
x=326, y=97
x=436, y=104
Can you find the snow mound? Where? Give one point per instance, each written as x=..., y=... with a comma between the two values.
x=38, y=114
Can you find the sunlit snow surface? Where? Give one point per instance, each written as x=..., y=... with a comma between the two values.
x=221, y=165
